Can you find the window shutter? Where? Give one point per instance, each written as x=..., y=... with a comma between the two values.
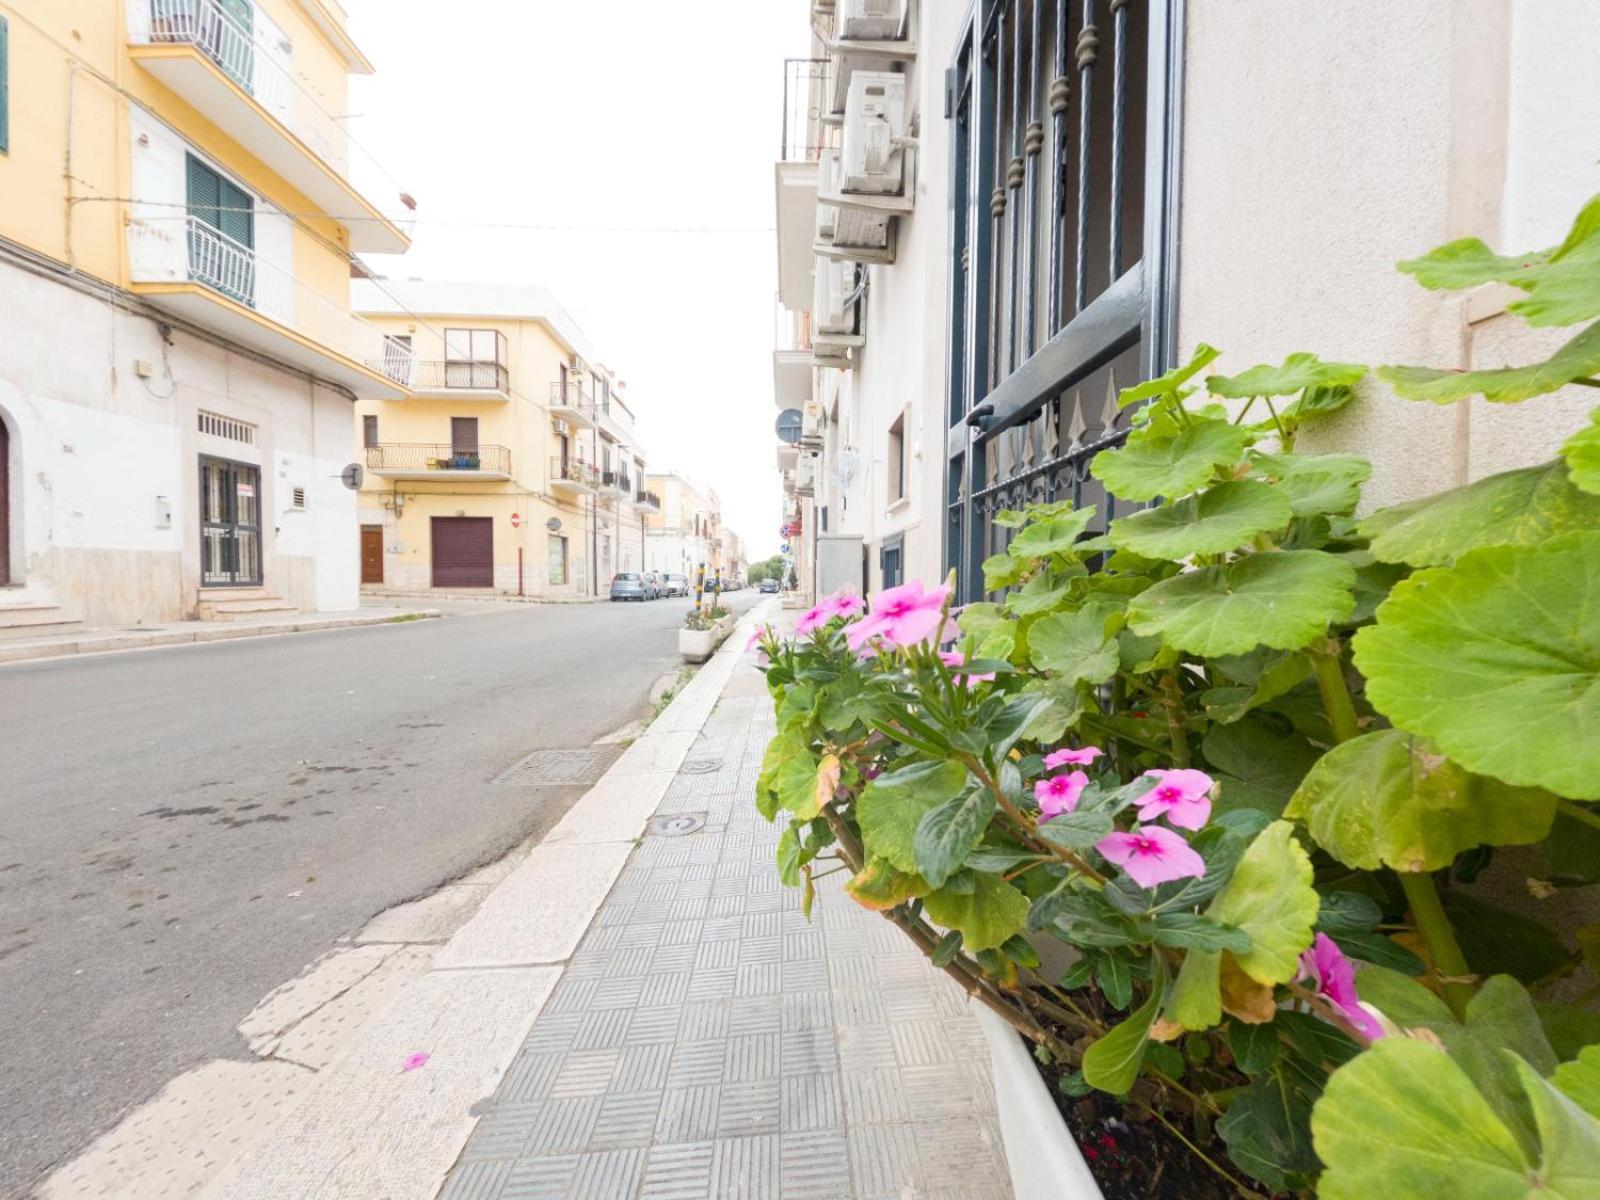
x=238, y=214
x=204, y=193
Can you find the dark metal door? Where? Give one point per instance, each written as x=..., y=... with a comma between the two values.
x=463, y=552
x=230, y=523
x=372, y=554
x=1063, y=167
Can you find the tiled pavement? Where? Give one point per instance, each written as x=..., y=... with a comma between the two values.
x=706, y=1040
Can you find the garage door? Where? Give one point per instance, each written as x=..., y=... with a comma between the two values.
x=463, y=552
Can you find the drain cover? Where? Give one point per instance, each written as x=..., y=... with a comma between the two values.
x=677, y=824
x=700, y=766
x=545, y=767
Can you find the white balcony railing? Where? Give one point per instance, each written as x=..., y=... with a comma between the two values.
x=259, y=56
x=187, y=250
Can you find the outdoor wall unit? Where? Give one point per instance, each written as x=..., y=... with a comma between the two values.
x=805, y=473
x=870, y=20
x=837, y=309
x=845, y=231
x=813, y=419
x=841, y=563
x=873, y=157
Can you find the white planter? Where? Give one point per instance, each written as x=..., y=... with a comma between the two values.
x=697, y=645
x=1043, y=1158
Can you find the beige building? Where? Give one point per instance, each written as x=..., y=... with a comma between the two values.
x=687, y=532
x=512, y=464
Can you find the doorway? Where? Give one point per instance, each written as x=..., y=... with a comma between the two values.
x=372, y=554
x=5, y=505
x=230, y=523
x=463, y=552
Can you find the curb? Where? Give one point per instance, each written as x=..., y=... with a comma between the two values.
x=221, y=632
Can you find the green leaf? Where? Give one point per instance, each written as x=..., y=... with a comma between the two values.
x=1389, y=799
x=1196, y=1000
x=1218, y=520
x=1573, y=853
x=789, y=856
x=1496, y=941
x=1468, y=262
x=880, y=887
x=1111, y=1063
x=1577, y=359
x=1516, y=508
x=1271, y=899
x=1083, y=920
x=1497, y=661
x=1298, y=372
x=946, y=834
x=1151, y=466
x=1267, y=1127
x=1191, y=931
x=1168, y=384
x=992, y=912
x=947, y=949
x=1581, y=453
x=1040, y=594
x=1569, y=1140
x=1283, y=599
x=893, y=805
x=1054, y=535
x=1115, y=976
x=1261, y=764
x=1402, y=1119
x=788, y=777
x=1001, y=571
x=1076, y=830
x=1564, y=291
x=1580, y=1080
x=1569, y=1029
x=1323, y=483
x=1074, y=646
x=1316, y=402
x=1348, y=912
x=1255, y=1047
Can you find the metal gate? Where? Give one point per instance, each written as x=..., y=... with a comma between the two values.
x=463, y=552
x=1063, y=182
x=230, y=523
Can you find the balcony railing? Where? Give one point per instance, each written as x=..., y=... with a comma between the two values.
x=570, y=395
x=466, y=376
x=805, y=90
x=259, y=56
x=421, y=456
x=574, y=471
x=614, y=481
x=647, y=500
x=187, y=250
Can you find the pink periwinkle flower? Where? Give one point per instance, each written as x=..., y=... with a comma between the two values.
x=1183, y=797
x=1059, y=794
x=416, y=1059
x=1082, y=756
x=1152, y=855
x=1336, y=983
x=902, y=616
x=843, y=603
x=954, y=659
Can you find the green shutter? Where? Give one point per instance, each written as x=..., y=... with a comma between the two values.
x=204, y=193
x=238, y=215
x=5, y=87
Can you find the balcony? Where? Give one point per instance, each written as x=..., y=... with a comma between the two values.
x=457, y=380
x=615, y=483
x=805, y=85
x=412, y=460
x=568, y=402
x=196, y=272
x=648, y=501
x=792, y=358
x=573, y=477
x=236, y=67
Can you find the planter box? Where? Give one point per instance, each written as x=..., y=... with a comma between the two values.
x=697, y=645
x=1040, y=1150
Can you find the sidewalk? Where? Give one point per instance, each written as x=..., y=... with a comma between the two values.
x=650, y=1017
x=179, y=633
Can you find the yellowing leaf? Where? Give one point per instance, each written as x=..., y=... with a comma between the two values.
x=1270, y=897
x=880, y=887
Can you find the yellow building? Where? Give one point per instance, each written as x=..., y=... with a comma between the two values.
x=179, y=204
x=511, y=464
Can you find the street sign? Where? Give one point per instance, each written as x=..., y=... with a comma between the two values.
x=553, y=524
x=516, y=520
x=353, y=476
x=785, y=547
x=790, y=422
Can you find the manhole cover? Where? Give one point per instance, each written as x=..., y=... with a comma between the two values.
x=545, y=767
x=676, y=824
x=700, y=766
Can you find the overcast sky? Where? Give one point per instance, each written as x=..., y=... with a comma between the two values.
x=609, y=113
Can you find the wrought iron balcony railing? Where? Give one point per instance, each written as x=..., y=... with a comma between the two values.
x=422, y=456
x=571, y=395
x=464, y=376
x=574, y=471
x=647, y=500
x=806, y=83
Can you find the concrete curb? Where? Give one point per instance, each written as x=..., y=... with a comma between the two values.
x=341, y=1140
x=222, y=631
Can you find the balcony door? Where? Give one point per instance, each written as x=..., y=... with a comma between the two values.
x=222, y=233
x=464, y=442
x=230, y=523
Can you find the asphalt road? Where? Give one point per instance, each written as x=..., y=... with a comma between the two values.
x=183, y=829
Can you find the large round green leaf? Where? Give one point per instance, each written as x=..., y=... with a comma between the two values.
x=1389, y=799
x=986, y=916
x=1322, y=483
x=1577, y=359
x=1582, y=454
x=1170, y=383
x=1282, y=599
x=1270, y=897
x=1217, y=520
x=1468, y=262
x=1052, y=535
x=1515, y=508
x=893, y=805
x=1151, y=466
x=1074, y=646
x=1298, y=372
x=1497, y=661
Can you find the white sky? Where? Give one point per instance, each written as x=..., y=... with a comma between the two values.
x=606, y=113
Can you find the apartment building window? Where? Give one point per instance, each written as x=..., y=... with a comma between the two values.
x=1061, y=250
x=464, y=435
x=369, y=431
x=222, y=232
x=558, y=559
x=897, y=460
x=475, y=358
x=5, y=87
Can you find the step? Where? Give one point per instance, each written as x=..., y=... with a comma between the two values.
x=211, y=608
x=35, y=620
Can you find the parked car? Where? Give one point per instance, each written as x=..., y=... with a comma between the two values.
x=654, y=588
x=768, y=586
x=677, y=583
x=630, y=585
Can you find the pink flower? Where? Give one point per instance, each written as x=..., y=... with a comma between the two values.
x=843, y=603
x=1152, y=855
x=813, y=619
x=1183, y=797
x=903, y=615
x=1059, y=794
x=1336, y=983
x=415, y=1060
x=954, y=659
x=1080, y=757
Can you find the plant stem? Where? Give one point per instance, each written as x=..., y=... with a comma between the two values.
x=1578, y=813
x=1172, y=702
x=1449, y=963
x=1594, y=383
x=1286, y=437
x=1328, y=666
x=1248, y=405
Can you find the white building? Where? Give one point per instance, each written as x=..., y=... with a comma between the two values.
x=687, y=533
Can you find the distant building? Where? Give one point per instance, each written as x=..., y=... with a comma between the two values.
x=687, y=531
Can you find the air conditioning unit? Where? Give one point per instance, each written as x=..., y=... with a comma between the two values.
x=870, y=20
x=827, y=181
x=846, y=228
x=561, y=427
x=812, y=421
x=833, y=311
x=872, y=160
x=805, y=473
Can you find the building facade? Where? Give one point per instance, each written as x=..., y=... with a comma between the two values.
x=687, y=532
x=181, y=205
x=511, y=464
x=994, y=216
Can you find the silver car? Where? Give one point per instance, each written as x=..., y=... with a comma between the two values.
x=629, y=585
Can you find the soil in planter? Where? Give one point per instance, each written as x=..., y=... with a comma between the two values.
x=1132, y=1156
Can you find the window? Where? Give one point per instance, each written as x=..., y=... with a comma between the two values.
x=463, y=435
x=222, y=235
x=897, y=459
x=558, y=559
x=5, y=88
x=474, y=358
x=221, y=203
x=217, y=425
x=369, y=431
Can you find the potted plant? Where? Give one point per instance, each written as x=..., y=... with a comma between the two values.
x=1242, y=760
x=701, y=635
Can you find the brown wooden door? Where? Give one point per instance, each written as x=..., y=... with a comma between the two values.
x=372, y=554
x=463, y=552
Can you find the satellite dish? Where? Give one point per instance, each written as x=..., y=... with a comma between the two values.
x=353, y=476
x=790, y=422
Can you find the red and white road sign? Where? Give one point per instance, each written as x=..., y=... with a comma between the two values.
x=516, y=520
